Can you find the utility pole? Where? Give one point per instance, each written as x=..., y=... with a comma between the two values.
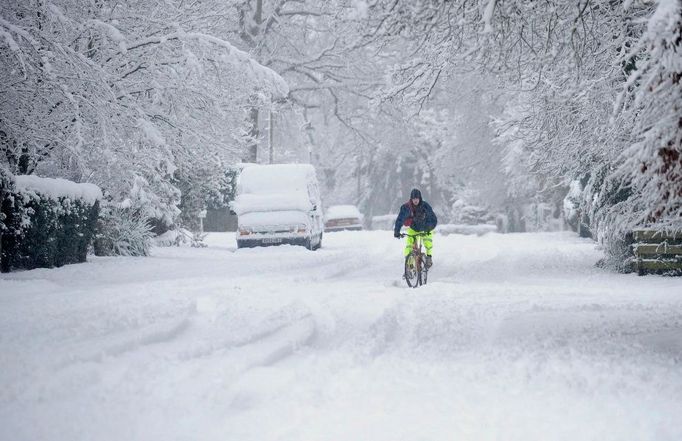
x=309, y=131
x=270, y=134
x=254, y=134
x=251, y=33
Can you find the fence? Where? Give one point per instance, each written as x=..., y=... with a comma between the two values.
x=657, y=252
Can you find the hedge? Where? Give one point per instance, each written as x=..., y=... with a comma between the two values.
x=44, y=222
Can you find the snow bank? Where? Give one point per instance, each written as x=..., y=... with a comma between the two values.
x=167, y=239
x=343, y=212
x=478, y=230
x=58, y=188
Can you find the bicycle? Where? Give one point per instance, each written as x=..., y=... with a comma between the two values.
x=416, y=271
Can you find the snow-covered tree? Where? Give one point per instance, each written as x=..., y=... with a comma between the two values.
x=652, y=165
x=564, y=64
x=122, y=94
x=315, y=47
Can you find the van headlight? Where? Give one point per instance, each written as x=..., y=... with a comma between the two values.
x=244, y=231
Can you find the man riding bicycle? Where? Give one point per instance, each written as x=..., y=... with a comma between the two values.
x=418, y=217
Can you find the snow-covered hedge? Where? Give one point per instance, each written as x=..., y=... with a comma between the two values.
x=45, y=222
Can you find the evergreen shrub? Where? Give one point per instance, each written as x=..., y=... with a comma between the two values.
x=43, y=229
x=123, y=232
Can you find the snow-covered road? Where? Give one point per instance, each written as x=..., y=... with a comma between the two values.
x=517, y=337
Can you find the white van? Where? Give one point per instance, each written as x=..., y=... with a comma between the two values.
x=278, y=204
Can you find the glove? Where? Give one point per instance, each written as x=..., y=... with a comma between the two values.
x=396, y=235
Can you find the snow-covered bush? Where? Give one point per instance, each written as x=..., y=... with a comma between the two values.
x=46, y=222
x=470, y=214
x=169, y=238
x=123, y=232
x=6, y=185
x=618, y=254
x=181, y=237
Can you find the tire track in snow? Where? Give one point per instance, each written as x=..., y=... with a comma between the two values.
x=157, y=335
x=229, y=365
x=269, y=348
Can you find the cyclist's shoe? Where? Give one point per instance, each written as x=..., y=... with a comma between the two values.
x=429, y=262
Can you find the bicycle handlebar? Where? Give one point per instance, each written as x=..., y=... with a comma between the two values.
x=415, y=235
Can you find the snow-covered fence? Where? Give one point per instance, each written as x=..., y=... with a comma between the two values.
x=657, y=252
x=45, y=222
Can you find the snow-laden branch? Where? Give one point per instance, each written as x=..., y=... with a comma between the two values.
x=13, y=46
x=292, y=62
x=19, y=31
x=264, y=75
x=488, y=16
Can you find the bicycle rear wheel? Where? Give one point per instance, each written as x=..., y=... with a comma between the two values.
x=411, y=275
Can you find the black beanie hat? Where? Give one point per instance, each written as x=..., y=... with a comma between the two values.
x=415, y=194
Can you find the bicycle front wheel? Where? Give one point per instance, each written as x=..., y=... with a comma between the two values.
x=412, y=275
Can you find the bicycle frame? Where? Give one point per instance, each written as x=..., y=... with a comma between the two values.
x=417, y=250
x=420, y=268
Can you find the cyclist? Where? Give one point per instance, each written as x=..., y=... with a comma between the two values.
x=418, y=217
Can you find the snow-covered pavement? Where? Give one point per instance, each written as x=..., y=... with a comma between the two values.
x=516, y=337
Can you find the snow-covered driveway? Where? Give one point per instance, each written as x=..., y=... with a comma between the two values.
x=517, y=337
